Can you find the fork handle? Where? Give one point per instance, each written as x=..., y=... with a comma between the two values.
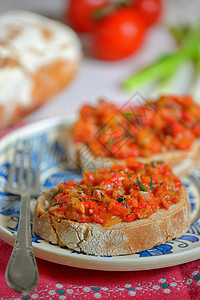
x=22, y=272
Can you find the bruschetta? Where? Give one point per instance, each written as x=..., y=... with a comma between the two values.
x=165, y=130
x=115, y=211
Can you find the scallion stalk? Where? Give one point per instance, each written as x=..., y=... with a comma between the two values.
x=195, y=89
x=167, y=64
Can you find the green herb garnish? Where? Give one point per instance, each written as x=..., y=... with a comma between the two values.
x=120, y=199
x=81, y=187
x=128, y=174
x=141, y=186
x=151, y=183
x=90, y=187
x=56, y=193
x=92, y=199
x=93, y=188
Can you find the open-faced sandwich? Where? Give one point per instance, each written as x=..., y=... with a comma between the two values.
x=115, y=211
x=165, y=130
x=38, y=58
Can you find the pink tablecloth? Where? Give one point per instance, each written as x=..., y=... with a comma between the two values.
x=62, y=282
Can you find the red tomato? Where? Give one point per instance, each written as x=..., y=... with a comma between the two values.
x=118, y=35
x=80, y=13
x=150, y=9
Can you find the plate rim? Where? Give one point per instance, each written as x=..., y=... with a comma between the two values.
x=95, y=262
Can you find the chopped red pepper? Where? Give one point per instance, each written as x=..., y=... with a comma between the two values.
x=117, y=194
x=172, y=122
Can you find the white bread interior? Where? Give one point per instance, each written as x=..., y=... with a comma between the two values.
x=39, y=57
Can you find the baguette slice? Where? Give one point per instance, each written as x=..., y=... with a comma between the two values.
x=118, y=239
x=182, y=162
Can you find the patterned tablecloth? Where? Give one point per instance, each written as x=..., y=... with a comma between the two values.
x=62, y=282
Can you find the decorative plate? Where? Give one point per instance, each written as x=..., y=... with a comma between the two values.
x=56, y=166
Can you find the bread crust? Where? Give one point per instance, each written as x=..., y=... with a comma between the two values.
x=119, y=239
x=181, y=162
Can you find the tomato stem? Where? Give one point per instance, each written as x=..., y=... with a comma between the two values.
x=107, y=10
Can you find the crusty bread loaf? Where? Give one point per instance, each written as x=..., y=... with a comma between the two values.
x=182, y=162
x=38, y=58
x=119, y=239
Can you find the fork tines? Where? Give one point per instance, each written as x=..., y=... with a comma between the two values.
x=24, y=172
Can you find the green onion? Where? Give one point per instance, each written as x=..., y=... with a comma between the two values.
x=195, y=90
x=165, y=66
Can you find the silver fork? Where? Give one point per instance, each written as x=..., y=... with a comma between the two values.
x=22, y=272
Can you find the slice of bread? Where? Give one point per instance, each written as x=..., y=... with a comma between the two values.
x=182, y=162
x=119, y=239
x=39, y=57
x=167, y=130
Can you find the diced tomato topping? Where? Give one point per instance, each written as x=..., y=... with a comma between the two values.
x=117, y=194
x=196, y=130
x=172, y=122
x=177, y=129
